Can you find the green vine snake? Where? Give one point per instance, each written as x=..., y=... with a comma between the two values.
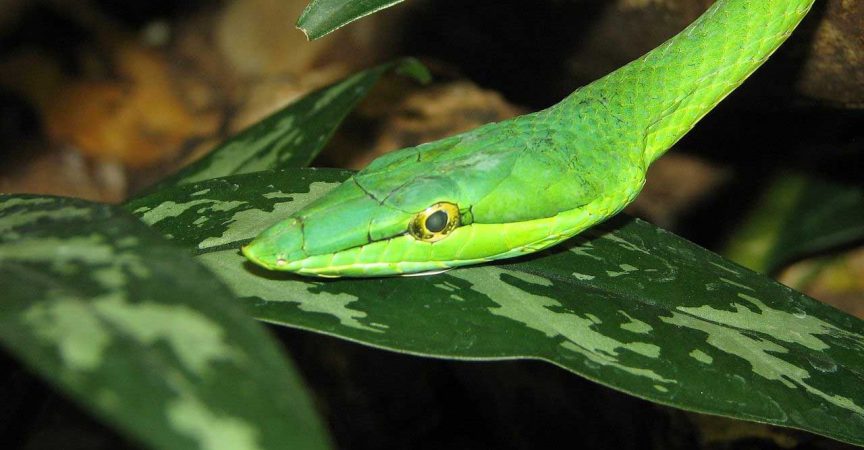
x=518, y=186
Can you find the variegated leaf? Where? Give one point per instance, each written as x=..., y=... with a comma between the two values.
x=141, y=334
x=626, y=304
x=294, y=135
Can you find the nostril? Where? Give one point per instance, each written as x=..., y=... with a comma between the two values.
x=281, y=262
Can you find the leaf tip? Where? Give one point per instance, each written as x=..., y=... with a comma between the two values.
x=305, y=32
x=413, y=68
x=302, y=23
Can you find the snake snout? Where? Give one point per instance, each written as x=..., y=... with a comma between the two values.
x=277, y=246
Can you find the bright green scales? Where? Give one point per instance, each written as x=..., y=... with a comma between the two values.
x=518, y=186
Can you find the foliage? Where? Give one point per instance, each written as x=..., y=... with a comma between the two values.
x=139, y=332
x=146, y=331
x=293, y=136
x=799, y=215
x=322, y=17
x=627, y=305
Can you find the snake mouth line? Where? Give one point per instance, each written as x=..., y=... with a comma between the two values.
x=474, y=243
x=349, y=263
x=381, y=269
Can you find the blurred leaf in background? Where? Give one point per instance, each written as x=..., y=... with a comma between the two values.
x=799, y=215
x=322, y=17
x=294, y=135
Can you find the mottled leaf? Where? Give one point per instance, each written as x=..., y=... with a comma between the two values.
x=322, y=17
x=799, y=215
x=626, y=304
x=141, y=334
x=294, y=135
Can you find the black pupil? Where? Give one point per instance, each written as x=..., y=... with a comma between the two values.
x=436, y=221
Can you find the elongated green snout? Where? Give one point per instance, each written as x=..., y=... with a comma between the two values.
x=337, y=232
x=349, y=233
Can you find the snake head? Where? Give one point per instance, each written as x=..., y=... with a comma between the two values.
x=336, y=232
x=471, y=198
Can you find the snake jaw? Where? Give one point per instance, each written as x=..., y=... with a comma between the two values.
x=344, y=220
x=403, y=254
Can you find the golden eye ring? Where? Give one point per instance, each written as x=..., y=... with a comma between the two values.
x=435, y=222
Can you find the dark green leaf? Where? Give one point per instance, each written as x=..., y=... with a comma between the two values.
x=138, y=332
x=627, y=305
x=799, y=215
x=826, y=215
x=294, y=135
x=754, y=240
x=321, y=17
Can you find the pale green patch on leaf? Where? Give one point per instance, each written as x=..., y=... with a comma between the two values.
x=25, y=216
x=195, y=340
x=248, y=221
x=281, y=290
x=678, y=322
x=539, y=313
x=68, y=324
x=634, y=325
x=786, y=326
x=210, y=430
x=166, y=210
x=625, y=269
x=139, y=333
x=763, y=356
x=701, y=356
x=88, y=249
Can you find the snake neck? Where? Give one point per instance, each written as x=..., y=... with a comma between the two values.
x=655, y=100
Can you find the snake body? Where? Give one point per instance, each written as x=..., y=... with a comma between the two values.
x=521, y=185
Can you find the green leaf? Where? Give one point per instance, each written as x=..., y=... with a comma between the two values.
x=137, y=331
x=627, y=305
x=827, y=214
x=799, y=215
x=322, y=17
x=294, y=135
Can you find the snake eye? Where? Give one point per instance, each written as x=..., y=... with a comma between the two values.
x=435, y=222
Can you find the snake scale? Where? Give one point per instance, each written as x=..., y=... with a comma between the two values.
x=521, y=185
